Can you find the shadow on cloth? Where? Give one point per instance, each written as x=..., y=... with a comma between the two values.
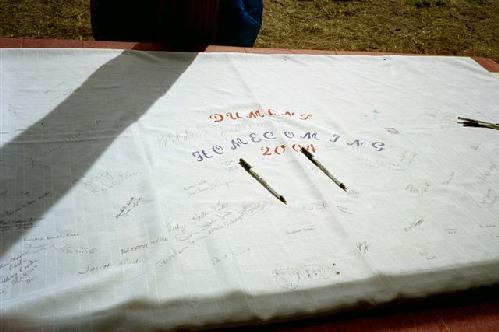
x=116, y=95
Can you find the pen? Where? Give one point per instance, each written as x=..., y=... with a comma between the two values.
x=467, y=122
x=314, y=161
x=257, y=177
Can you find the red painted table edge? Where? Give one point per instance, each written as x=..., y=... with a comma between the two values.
x=476, y=314
x=486, y=63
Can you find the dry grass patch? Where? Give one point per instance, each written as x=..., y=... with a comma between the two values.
x=456, y=27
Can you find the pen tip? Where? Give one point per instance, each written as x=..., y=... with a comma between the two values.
x=282, y=199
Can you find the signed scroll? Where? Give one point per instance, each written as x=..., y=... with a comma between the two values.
x=122, y=200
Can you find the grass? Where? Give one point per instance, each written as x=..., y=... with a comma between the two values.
x=459, y=27
x=451, y=27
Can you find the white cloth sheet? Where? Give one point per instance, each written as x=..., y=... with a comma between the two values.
x=122, y=203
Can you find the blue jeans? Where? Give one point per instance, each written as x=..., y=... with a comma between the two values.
x=239, y=22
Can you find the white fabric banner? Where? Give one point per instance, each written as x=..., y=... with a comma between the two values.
x=123, y=203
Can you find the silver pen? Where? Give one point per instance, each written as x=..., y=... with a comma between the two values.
x=257, y=177
x=467, y=122
x=314, y=161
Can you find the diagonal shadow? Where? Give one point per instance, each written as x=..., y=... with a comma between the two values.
x=37, y=167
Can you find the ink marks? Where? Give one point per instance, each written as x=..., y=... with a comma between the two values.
x=427, y=255
x=490, y=228
x=50, y=237
x=216, y=210
x=258, y=114
x=199, y=216
x=451, y=231
x=252, y=138
x=176, y=138
x=17, y=224
x=280, y=149
x=367, y=162
x=17, y=217
x=235, y=252
x=194, y=186
x=174, y=253
x=19, y=269
x=59, y=242
x=392, y=131
x=449, y=179
x=221, y=218
x=405, y=160
x=205, y=186
x=297, y=139
x=95, y=268
x=300, y=230
x=35, y=248
x=292, y=277
x=315, y=206
x=232, y=165
x=69, y=250
x=9, y=194
x=486, y=176
x=354, y=194
x=418, y=190
x=358, y=142
x=143, y=246
x=105, y=181
x=418, y=223
x=287, y=278
x=130, y=205
x=363, y=247
x=343, y=209
x=208, y=222
x=30, y=201
x=132, y=261
x=491, y=197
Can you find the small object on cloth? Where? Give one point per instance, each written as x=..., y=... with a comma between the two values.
x=314, y=161
x=467, y=122
x=257, y=177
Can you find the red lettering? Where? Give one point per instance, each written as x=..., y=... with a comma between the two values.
x=280, y=149
x=255, y=114
x=217, y=117
x=266, y=151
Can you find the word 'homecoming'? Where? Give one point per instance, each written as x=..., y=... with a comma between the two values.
x=219, y=117
x=265, y=139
